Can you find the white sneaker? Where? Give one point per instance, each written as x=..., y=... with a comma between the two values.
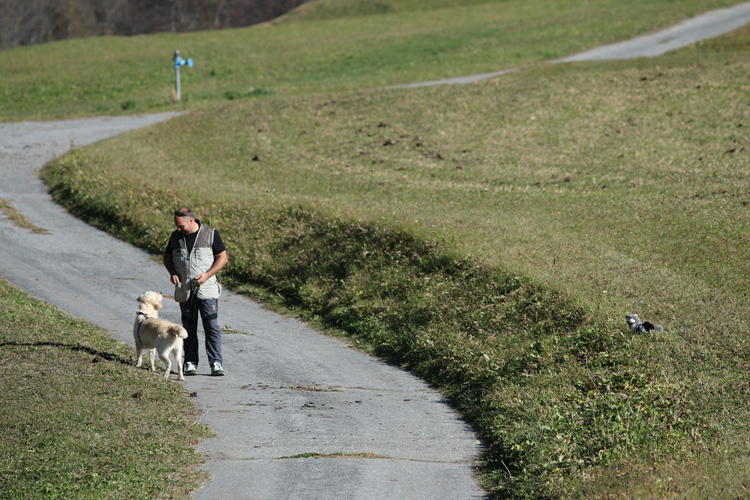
x=217, y=370
x=190, y=368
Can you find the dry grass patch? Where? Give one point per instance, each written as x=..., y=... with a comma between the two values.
x=18, y=219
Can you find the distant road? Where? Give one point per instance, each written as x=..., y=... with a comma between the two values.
x=708, y=25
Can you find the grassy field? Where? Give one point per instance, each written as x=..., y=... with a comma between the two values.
x=78, y=421
x=490, y=237
x=315, y=49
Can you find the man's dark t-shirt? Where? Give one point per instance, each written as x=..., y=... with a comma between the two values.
x=217, y=247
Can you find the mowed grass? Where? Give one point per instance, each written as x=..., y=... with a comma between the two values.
x=324, y=46
x=78, y=422
x=492, y=237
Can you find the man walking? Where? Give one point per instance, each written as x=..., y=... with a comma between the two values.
x=194, y=254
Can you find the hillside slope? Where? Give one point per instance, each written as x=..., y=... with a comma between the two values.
x=490, y=237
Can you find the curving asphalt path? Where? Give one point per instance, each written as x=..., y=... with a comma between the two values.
x=289, y=391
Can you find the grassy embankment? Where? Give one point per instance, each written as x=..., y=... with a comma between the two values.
x=580, y=193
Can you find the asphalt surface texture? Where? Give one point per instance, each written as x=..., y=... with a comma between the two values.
x=289, y=391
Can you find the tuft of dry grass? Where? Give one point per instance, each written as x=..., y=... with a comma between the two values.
x=18, y=218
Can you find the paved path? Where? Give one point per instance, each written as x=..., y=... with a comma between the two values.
x=289, y=390
x=711, y=24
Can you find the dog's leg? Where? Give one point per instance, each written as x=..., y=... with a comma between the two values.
x=151, y=359
x=164, y=356
x=138, y=346
x=178, y=357
x=138, y=353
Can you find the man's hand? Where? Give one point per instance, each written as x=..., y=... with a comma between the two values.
x=220, y=261
x=169, y=264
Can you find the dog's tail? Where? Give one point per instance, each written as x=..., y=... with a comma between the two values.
x=178, y=331
x=140, y=318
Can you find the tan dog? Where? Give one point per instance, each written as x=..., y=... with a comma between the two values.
x=154, y=334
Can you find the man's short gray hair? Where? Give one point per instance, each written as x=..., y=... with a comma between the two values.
x=184, y=212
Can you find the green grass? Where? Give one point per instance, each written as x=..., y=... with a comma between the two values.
x=314, y=50
x=490, y=237
x=78, y=422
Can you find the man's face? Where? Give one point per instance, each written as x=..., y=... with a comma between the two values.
x=185, y=225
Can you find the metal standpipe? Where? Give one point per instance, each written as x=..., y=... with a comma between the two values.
x=178, y=63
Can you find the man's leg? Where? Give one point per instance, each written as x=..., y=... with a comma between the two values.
x=210, y=315
x=190, y=323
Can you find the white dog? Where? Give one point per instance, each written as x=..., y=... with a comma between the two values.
x=154, y=334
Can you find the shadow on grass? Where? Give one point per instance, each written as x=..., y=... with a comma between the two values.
x=107, y=356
